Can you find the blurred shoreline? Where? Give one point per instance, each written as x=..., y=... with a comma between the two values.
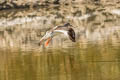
x=18, y=4
x=23, y=28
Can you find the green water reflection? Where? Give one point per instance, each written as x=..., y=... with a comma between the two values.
x=93, y=62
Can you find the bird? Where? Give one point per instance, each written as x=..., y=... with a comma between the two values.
x=66, y=29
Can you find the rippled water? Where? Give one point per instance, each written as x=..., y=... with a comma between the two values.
x=94, y=56
x=85, y=61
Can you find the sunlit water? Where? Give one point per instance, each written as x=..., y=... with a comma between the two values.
x=94, y=56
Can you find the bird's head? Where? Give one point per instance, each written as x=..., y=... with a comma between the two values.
x=68, y=25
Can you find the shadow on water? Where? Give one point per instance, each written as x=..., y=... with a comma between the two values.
x=95, y=55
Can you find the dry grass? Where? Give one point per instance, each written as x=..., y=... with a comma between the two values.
x=25, y=27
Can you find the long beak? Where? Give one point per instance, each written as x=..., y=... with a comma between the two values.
x=47, y=42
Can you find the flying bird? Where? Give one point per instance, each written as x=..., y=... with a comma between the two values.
x=66, y=29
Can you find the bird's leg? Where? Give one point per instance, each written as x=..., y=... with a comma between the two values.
x=48, y=41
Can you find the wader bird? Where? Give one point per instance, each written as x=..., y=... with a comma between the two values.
x=66, y=29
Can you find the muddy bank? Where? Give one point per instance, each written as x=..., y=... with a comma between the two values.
x=91, y=23
x=95, y=23
x=8, y=4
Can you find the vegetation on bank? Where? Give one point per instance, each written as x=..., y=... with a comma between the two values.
x=94, y=20
x=8, y=4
